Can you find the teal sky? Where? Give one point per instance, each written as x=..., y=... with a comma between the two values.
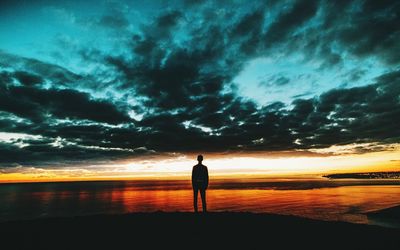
x=54, y=32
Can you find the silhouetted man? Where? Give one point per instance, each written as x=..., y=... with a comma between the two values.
x=200, y=182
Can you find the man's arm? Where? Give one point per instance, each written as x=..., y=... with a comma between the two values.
x=193, y=176
x=206, y=174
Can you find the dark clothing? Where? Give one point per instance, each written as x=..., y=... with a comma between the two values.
x=200, y=182
x=200, y=176
x=203, y=199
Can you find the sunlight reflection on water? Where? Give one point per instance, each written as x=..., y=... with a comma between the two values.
x=343, y=203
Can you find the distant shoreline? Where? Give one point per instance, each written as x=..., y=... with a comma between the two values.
x=367, y=175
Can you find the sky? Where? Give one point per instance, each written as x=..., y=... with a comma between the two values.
x=104, y=89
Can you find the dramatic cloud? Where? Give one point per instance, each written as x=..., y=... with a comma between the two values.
x=203, y=76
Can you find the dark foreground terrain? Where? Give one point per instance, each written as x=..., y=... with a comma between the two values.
x=389, y=217
x=188, y=231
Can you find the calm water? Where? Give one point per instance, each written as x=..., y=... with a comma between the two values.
x=318, y=199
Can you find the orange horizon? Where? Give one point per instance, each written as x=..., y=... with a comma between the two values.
x=21, y=178
x=241, y=165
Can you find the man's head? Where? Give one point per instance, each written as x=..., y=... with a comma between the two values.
x=199, y=158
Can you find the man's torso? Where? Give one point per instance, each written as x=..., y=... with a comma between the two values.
x=199, y=176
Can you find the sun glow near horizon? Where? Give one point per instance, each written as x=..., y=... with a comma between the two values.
x=220, y=166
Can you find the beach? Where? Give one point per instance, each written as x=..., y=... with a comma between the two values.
x=222, y=230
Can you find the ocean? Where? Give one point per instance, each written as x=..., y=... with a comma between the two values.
x=318, y=198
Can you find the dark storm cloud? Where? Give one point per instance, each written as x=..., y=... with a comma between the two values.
x=248, y=24
x=364, y=28
x=27, y=79
x=302, y=95
x=168, y=20
x=328, y=29
x=185, y=90
x=36, y=68
x=37, y=104
x=44, y=155
x=287, y=22
x=356, y=75
x=363, y=114
x=374, y=29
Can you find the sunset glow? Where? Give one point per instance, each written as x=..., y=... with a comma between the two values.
x=255, y=165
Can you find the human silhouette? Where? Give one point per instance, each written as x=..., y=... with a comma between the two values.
x=200, y=182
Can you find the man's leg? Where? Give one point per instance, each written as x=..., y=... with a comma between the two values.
x=203, y=199
x=195, y=193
